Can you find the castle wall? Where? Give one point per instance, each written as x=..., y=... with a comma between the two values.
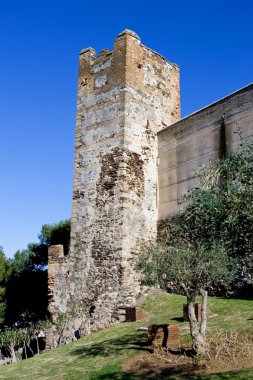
x=195, y=140
x=133, y=162
x=124, y=98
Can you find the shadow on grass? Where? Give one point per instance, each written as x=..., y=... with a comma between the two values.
x=178, y=319
x=142, y=369
x=111, y=347
x=115, y=376
x=174, y=374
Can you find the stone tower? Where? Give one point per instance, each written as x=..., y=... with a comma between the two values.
x=124, y=98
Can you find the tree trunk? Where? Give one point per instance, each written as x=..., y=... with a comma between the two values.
x=25, y=351
x=13, y=354
x=198, y=341
x=37, y=342
x=203, y=312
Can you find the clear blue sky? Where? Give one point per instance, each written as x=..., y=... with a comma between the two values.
x=210, y=40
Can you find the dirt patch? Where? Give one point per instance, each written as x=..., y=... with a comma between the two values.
x=226, y=352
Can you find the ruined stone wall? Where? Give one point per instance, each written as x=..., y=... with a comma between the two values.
x=124, y=98
x=194, y=141
x=57, y=275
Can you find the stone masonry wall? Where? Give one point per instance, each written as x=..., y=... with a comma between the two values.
x=124, y=98
x=196, y=140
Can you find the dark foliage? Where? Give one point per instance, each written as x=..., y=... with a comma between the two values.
x=26, y=296
x=25, y=290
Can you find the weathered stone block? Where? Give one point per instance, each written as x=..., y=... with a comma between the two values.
x=197, y=312
x=134, y=314
x=163, y=335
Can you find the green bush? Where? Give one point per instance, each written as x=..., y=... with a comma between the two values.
x=220, y=210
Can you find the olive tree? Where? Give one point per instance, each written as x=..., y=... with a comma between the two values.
x=191, y=271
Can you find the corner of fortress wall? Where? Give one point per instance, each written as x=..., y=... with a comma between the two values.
x=124, y=98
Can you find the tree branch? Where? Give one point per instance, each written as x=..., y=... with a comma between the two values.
x=203, y=312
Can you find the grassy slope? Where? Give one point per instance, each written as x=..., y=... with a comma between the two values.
x=100, y=356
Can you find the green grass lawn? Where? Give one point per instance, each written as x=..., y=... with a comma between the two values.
x=101, y=355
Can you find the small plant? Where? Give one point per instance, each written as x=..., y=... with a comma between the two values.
x=10, y=339
x=199, y=358
x=26, y=337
